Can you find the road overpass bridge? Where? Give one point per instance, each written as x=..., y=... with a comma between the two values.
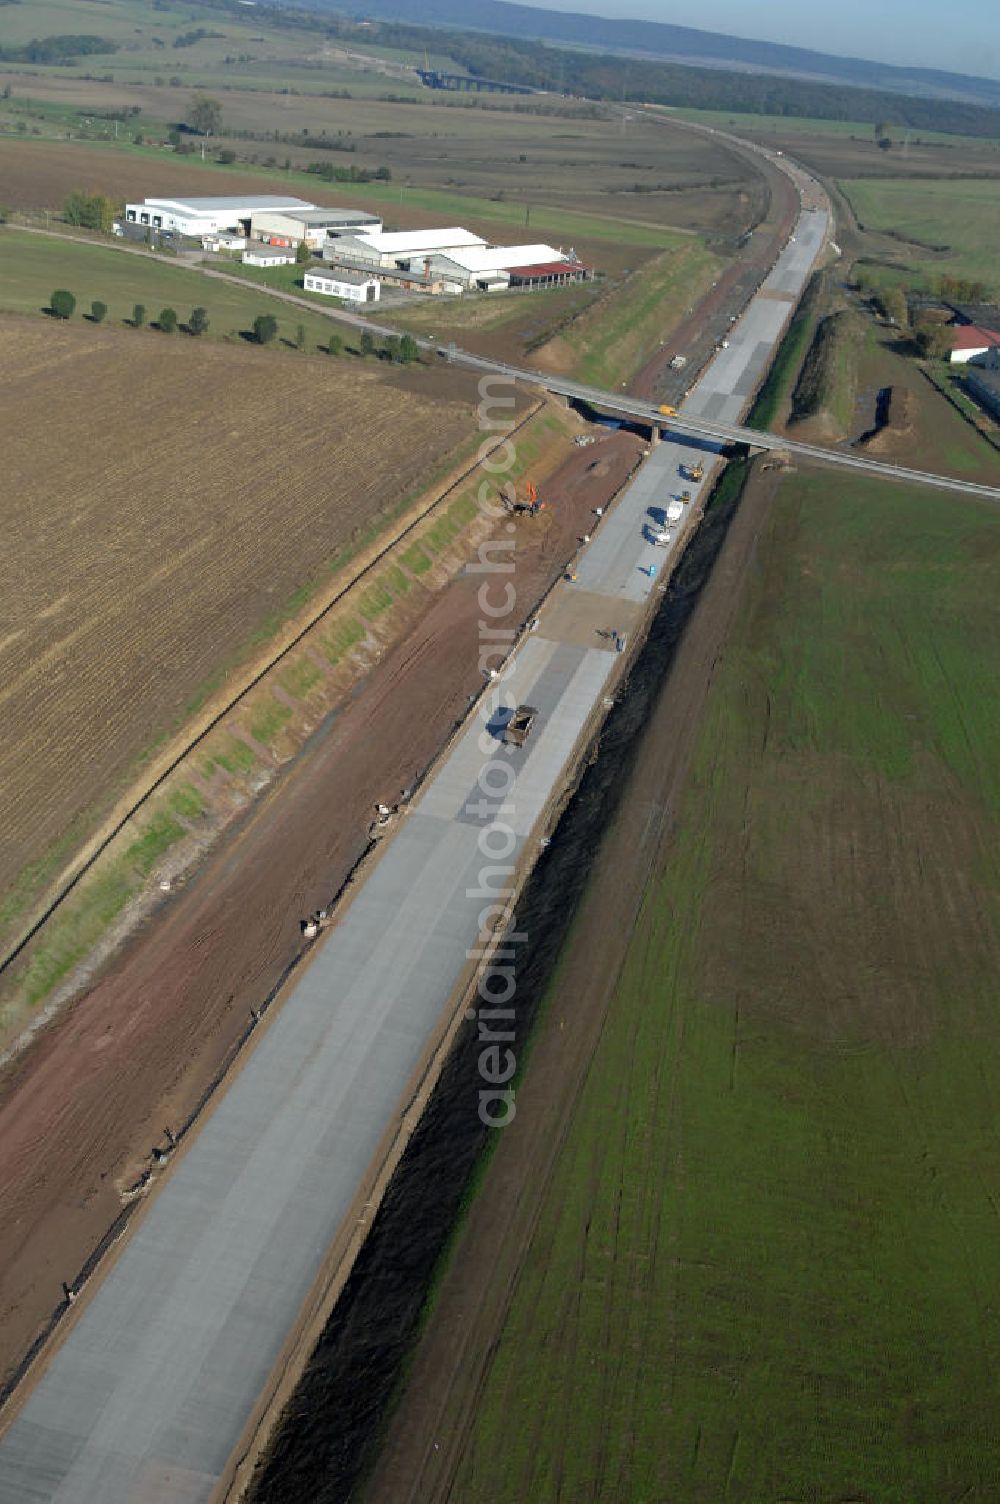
x=693, y=424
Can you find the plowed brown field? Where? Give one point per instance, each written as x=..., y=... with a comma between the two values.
x=162, y=502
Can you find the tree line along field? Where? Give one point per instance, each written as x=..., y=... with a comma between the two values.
x=33, y=266
x=764, y=1264
x=163, y=503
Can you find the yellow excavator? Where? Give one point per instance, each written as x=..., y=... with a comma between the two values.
x=693, y=472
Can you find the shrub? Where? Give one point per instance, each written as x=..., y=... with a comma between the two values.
x=198, y=322
x=167, y=321
x=335, y=344
x=62, y=304
x=92, y=211
x=265, y=327
x=98, y=312
x=139, y=315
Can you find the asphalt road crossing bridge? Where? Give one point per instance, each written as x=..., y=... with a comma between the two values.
x=697, y=426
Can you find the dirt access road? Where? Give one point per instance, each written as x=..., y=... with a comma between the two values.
x=424, y=1443
x=80, y=1112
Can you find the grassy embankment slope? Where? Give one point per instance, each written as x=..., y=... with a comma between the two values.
x=765, y=1266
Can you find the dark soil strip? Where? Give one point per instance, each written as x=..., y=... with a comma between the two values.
x=328, y=1436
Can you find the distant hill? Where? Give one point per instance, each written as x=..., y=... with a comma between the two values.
x=655, y=39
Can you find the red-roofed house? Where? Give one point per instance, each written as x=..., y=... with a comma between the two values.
x=969, y=340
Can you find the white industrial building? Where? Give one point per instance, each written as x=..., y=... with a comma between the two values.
x=199, y=217
x=401, y=248
x=353, y=287
x=312, y=225
x=489, y=267
x=267, y=255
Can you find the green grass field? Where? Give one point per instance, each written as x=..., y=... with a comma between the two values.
x=803, y=125
x=956, y=214
x=33, y=266
x=765, y=1266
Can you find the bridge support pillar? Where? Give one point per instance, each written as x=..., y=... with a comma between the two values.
x=654, y=435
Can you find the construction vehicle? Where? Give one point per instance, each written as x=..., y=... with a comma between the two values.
x=518, y=728
x=529, y=507
x=693, y=472
x=661, y=536
x=675, y=511
x=678, y=363
x=668, y=412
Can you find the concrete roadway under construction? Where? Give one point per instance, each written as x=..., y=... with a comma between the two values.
x=159, y=1367
x=163, y=1362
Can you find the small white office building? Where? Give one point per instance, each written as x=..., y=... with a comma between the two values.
x=353, y=287
x=267, y=255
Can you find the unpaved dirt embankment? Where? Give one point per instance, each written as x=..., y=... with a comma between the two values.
x=621, y=811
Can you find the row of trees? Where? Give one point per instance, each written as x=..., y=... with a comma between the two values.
x=399, y=350
x=330, y=173
x=62, y=305
x=91, y=211
x=57, y=49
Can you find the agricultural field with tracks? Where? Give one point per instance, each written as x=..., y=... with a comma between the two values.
x=751, y=1255
x=187, y=499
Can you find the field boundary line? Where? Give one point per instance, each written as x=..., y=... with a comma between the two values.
x=99, y=843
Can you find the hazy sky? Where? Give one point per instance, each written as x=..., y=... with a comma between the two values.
x=960, y=35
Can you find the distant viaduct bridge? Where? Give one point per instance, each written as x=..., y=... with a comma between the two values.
x=465, y=82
